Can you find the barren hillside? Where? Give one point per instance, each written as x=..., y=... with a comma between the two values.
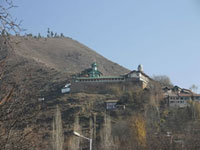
x=45, y=64
x=35, y=68
x=63, y=54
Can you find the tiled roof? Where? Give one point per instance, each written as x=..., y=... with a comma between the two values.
x=173, y=94
x=184, y=95
x=135, y=71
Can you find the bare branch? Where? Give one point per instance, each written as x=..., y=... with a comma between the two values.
x=7, y=22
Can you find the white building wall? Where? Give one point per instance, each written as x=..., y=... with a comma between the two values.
x=134, y=75
x=197, y=98
x=179, y=101
x=65, y=90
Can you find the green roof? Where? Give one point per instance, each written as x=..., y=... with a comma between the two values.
x=94, y=64
x=102, y=77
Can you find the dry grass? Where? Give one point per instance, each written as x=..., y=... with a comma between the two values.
x=64, y=55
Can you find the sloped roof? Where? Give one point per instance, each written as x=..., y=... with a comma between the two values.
x=194, y=94
x=112, y=101
x=178, y=92
x=135, y=71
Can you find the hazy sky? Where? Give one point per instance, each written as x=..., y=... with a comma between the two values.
x=163, y=35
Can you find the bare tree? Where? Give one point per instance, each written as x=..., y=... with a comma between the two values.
x=194, y=88
x=15, y=111
x=8, y=25
x=106, y=137
x=57, y=136
x=7, y=22
x=74, y=142
x=163, y=80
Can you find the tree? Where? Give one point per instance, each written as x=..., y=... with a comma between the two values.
x=30, y=35
x=106, y=137
x=163, y=80
x=39, y=36
x=138, y=125
x=62, y=35
x=57, y=136
x=194, y=88
x=48, y=32
x=129, y=133
x=13, y=110
x=7, y=23
x=74, y=142
x=52, y=33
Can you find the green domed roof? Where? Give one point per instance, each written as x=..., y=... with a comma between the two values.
x=94, y=64
x=91, y=72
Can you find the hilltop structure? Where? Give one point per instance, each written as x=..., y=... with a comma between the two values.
x=92, y=72
x=92, y=80
x=178, y=97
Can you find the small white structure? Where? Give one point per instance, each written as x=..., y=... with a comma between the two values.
x=111, y=104
x=41, y=99
x=168, y=134
x=140, y=68
x=139, y=75
x=66, y=88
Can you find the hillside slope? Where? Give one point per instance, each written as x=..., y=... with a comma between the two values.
x=63, y=54
x=35, y=68
x=38, y=68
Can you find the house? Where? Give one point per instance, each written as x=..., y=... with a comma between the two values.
x=111, y=104
x=66, y=88
x=178, y=97
x=196, y=97
x=179, y=100
x=138, y=75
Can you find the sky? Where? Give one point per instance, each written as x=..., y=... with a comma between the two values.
x=162, y=35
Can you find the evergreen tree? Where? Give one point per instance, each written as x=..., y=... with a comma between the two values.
x=30, y=34
x=48, y=32
x=39, y=36
x=62, y=35
x=52, y=34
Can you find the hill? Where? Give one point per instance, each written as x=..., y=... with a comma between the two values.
x=45, y=64
x=63, y=54
x=32, y=68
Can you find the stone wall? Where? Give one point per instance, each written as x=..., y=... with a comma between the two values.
x=105, y=87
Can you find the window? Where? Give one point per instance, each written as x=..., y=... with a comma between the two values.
x=186, y=98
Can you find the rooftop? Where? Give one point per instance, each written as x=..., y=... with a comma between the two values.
x=102, y=77
x=111, y=101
